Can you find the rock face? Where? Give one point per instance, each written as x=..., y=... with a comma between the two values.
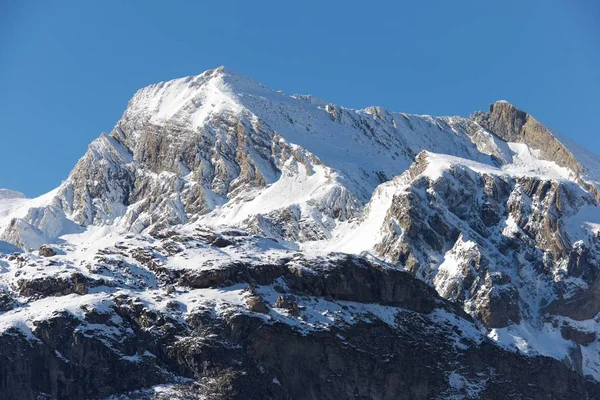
x=228, y=241
x=343, y=327
x=474, y=234
x=513, y=125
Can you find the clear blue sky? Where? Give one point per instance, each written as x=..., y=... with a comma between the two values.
x=68, y=68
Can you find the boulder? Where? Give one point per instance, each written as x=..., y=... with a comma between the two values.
x=46, y=251
x=257, y=304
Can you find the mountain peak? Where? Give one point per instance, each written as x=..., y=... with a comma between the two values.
x=502, y=102
x=225, y=75
x=511, y=124
x=224, y=71
x=191, y=100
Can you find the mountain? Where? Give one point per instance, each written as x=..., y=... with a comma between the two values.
x=226, y=240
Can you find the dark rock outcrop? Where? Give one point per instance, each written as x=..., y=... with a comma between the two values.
x=56, y=285
x=46, y=251
x=242, y=357
x=342, y=277
x=257, y=304
x=6, y=302
x=577, y=336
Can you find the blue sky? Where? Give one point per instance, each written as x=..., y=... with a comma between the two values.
x=69, y=67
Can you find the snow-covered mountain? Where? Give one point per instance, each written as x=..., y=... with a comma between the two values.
x=212, y=183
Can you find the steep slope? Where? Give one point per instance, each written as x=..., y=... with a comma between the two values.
x=223, y=228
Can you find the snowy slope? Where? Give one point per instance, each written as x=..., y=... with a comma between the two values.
x=10, y=194
x=224, y=143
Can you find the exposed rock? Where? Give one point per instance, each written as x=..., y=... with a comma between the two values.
x=513, y=125
x=580, y=306
x=170, y=289
x=55, y=286
x=210, y=277
x=499, y=306
x=577, y=336
x=63, y=354
x=171, y=247
x=221, y=242
x=7, y=303
x=289, y=303
x=341, y=277
x=257, y=304
x=46, y=251
x=574, y=359
x=418, y=233
x=24, y=235
x=355, y=279
x=242, y=357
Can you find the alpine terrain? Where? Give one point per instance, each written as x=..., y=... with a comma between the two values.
x=228, y=241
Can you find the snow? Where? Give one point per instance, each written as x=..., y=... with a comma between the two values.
x=24, y=318
x=361, y=236
x=192, y=98
x=526, y=161
x=356, y=150
x=547, y=341
x=6, y=194
x=321, y=314
x=10, y=204
x=288, y=190
x=589, y=160
x=531, y=341
x=449, y=272
x=585, y=222
x=361, y=145
x=462, y=331
x=38, y=208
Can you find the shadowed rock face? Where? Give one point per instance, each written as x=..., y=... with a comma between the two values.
x=241, y=355
x=513, y=125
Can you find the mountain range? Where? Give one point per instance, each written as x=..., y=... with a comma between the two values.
x=226, y=240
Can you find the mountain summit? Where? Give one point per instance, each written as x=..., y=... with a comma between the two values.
x=225, y=239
